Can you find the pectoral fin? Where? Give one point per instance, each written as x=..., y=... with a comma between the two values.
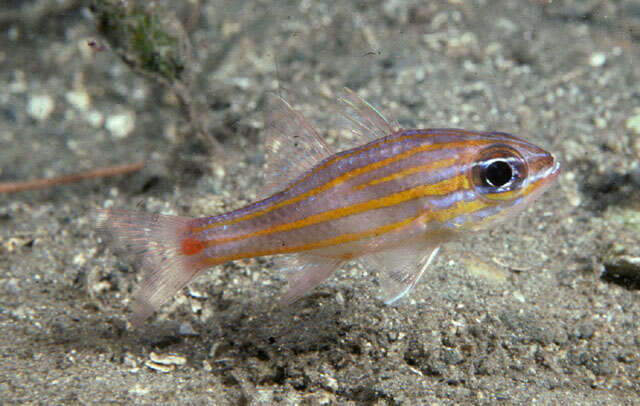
x=400, y=268
x=305, y=272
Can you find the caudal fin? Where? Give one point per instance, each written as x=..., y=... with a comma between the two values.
x=169, y=257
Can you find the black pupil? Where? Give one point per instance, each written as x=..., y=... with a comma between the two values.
x=498, y=173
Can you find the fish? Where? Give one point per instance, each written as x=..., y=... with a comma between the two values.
x=388, y=203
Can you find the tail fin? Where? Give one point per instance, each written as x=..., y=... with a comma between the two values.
x=168, y=256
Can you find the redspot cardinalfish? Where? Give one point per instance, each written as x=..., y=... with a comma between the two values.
x=389, y=203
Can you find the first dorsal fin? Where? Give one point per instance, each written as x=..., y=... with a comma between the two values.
x=367, y=123
x=292, y=145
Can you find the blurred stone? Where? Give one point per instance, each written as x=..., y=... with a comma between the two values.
x=166, y=359
x=623, y=266
x=79, y=99
x=186, y=329
x=597, y=59
x=40, y=107
x=633, y=124
x=121, y=125
x=478, y=268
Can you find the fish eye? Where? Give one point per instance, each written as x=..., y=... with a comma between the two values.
x=499, y=172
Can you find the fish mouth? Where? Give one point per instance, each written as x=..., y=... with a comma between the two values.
x=544, y=179
x=551, y=173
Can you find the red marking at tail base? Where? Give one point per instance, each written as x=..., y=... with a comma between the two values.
x=191, y=247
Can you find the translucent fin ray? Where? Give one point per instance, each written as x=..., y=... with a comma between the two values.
x=367, y=123
x=305, y=272
x=292, y=145
x=155, y=241
x=401, y=268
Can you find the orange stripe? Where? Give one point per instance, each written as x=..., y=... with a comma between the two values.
x=437, y=189
x=345, y=238
x=357, y=150
x=343, y=178
x=440, y=215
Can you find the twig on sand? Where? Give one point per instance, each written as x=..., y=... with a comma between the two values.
x=13, y=187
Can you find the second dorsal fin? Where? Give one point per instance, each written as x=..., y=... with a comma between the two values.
x=292, y=145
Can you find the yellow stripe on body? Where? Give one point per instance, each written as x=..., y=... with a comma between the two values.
x=512, y=194
x=342, y=178
x=440, y=215
x=504, y=196
x=436, y=189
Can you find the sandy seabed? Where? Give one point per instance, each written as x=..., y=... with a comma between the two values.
x=533, y=311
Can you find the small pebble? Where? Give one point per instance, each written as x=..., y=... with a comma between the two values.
x=633, y=124
x=219, y=171
x=14, y=243
x=167, y=359
x=12, y=286
x=586, y=331
x=186, y=329
x=197, y=294
x=95, y=119
x=102, y=286
x=79, y=99
x=452, y=356
x=519, y=296
x=159, y=367
x=600, y=123
x=241, y=83
x=130, y=360
x=196, y=306
x=626, y=266
x=262, y=396
x=138, y=390
x=79, y=259
x=597, y=59
x=121, y=125
x=329, y=382
x=479, y=268
x=574, y=199
x=40, y=107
